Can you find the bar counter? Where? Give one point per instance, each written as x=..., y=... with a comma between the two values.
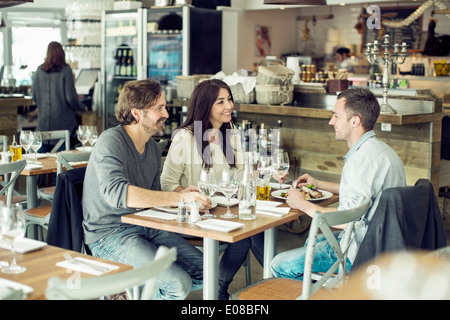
x=414, y=133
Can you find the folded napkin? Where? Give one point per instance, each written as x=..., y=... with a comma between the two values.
x=33, y=166
x=74, y=163
x=157, y=214
x=11, y=290
x=265, y=203
x=272, y=211
x=87, y=266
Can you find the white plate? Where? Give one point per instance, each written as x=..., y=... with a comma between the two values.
x=277, y=194
x=222, y=201
x=175, y=210
x=84, y=149
x=219, y=225
x=23, y=245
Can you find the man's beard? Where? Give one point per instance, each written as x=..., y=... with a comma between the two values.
x=153, y=130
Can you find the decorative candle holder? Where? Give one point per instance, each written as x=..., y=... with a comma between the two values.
x=386, y=58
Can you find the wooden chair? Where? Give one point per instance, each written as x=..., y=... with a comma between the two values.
x=10, y=172
x=95, y=287
x=40, y=215
x=63, y=137
x=290, y=289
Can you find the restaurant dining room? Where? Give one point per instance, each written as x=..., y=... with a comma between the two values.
x=237, y=156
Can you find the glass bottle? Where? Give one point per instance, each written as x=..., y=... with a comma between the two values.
x=15, y=150
x=247, y=191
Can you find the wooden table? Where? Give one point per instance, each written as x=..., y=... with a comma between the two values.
x=263, y=223
x=41, y=266
x=49, y=166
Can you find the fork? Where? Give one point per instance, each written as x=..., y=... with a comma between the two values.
x=71, y=259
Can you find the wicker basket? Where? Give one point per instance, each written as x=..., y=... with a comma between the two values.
x=274, y=94
x=239, y=95
x=186, y=84
x=274, y=75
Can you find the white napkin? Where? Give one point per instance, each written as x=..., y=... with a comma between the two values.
x=157, y=214
x=248, y=83
x=32, y=166
x=86, y=268
x=272, y=211
x=74, y=163
x=265, y=203
x=8, y=289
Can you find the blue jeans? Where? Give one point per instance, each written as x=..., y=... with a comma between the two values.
x=291, y=263
x=136, y=246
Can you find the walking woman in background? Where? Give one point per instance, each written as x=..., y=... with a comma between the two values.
x=54, y=93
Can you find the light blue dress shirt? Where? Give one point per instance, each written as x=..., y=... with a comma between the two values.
x=371, y=166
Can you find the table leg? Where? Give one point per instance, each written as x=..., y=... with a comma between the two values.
x=31, y=182
x=270, y=249
x=31, y=185
x=210, y=269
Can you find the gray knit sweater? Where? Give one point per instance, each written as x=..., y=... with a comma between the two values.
x=114, y=164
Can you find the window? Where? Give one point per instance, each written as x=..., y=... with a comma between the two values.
x=29, y=48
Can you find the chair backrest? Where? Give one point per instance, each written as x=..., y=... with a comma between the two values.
x=64, y=158
x=324, y=222
x=63, y=136
x=4, y=143
x=65, y=226
x=406, y=218
x=14, y=169
x=94, y=287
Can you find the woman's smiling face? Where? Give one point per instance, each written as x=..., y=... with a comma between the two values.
x=221, y=109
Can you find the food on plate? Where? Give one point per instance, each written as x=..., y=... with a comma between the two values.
x=309, y=192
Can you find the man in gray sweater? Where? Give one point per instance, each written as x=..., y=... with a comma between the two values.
x=122, y=177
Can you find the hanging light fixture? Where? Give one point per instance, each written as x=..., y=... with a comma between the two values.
x=297, y=2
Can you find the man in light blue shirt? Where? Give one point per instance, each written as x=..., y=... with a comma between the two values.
x=371, y=166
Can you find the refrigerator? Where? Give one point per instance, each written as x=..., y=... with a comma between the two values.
x=158, y=43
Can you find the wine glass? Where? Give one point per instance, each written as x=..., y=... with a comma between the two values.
x=228, y=184
x=12, y=226
x=280, y=163
x=207, y=185
x=92, y=135
x=82, y=135
x=36, y=143
x=26, y=140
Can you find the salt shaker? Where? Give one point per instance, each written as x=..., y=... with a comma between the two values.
x=182, y=215
x=194, y=216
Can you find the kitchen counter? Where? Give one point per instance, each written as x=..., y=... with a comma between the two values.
x=8, y=113
x=414, y=133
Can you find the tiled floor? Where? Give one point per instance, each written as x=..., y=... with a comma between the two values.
x=288, y=241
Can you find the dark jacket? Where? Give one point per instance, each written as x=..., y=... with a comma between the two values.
x=65, y=227
x=406, y=218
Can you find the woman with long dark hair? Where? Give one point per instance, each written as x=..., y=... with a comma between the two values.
x=207, y=139
x=54, y=92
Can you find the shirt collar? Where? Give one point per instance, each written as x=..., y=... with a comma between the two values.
x=369, y=134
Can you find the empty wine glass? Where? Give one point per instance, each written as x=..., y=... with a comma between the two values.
x=82, y=135
x=25, y=140
x=207, y=185
x=12, y=227
x=280, y=163
x=228, y=184
x=36, y=143
x=92, y=135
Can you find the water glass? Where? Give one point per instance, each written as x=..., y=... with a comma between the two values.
x=12, y=228
x=228, y=185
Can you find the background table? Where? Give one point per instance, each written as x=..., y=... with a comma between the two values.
x=41, y=266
